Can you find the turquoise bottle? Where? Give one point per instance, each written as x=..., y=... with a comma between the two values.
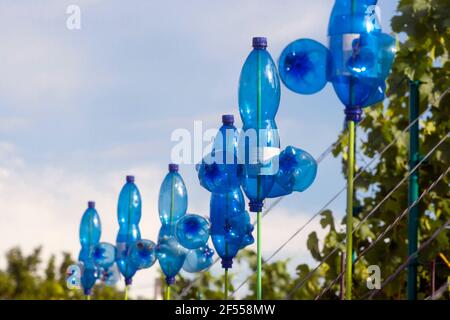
x=129, y=214
x=259, y=144
x=90, y=232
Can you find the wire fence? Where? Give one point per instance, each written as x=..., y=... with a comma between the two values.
x=332, y=199
x=408, y=260
x=342, y=190
x=303, y=281
x=386, y=230
x=319, y=159
x=439, y=292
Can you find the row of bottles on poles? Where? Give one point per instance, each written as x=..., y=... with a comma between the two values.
x=248, y=160
x=181, y=244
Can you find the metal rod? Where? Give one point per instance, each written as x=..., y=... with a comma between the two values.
x=167, y=292
x=342, y=282
x=226, y=284
x=258, y=217
x=259, y=257
x=413, y=188
x=444, y=259
x=349, y=222
x=433, y=276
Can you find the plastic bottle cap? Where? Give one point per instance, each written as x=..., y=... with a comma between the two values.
x=259, y=42
x=173, y=167
x=227, y=263
x=227, y=119
x=87, y=292
x=255, y=205
x=91, y=204
x=170, y=280
x=130, y=179
x=353, y=114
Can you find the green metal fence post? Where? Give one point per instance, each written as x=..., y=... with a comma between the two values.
x=413, y=187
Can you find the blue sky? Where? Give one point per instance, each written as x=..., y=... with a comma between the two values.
x=81, y=109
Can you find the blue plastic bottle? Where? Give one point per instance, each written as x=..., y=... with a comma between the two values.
x=357, y=61
x=303, y=66
x=173, y=199
x=219, y=171
x=227, y=204
x=192, y=231
x=104, y=255
x=90, y=227
x=351, y=16
x=129, y=214
x=90, y=232
x=88, y=278
x=198, y=260
x=297, y=172
x=172, y=206
x=170, y=253
x=259, y=144
x=259, y=78
x=142, y=254
x=362, y=56
x=246, y=231
x=228, y=224
x=110, y=276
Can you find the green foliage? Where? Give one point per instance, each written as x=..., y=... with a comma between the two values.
x=204, y=286
x=422, y=56
x=23, y=279
x=278, y=281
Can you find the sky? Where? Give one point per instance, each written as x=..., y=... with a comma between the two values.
x=81, y=109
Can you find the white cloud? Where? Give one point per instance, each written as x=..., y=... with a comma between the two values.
x=44, y=207
x=42, y=63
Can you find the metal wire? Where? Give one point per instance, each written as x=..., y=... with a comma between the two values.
x=439, y=292
x=386, y=230
x=336, y=195
x=319, y=159
x=298, y=286
x=405, y=264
